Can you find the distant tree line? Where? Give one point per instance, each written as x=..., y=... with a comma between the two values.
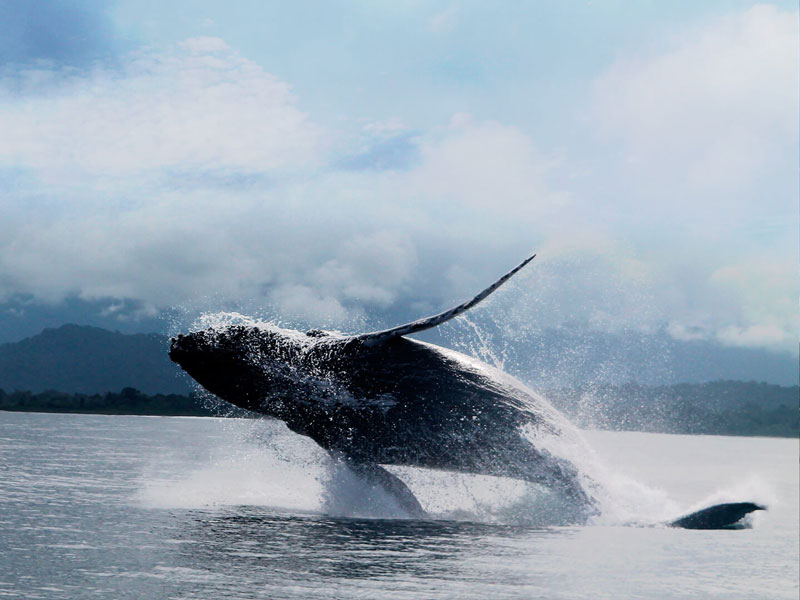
x=720, y=407
x=129, y=401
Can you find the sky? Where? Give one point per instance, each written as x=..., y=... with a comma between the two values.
x=351, y=164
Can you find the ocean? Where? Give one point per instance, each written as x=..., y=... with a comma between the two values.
x=165, y=507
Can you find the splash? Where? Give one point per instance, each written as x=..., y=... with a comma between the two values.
x=257, y=463
x=261, y=463
x=621, y=498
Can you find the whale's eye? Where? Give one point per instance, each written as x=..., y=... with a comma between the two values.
x=316, y=333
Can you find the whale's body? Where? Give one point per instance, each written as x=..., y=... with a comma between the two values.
x=383, y=399
x=405, y=403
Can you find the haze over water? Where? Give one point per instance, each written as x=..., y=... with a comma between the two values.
x=141, y=507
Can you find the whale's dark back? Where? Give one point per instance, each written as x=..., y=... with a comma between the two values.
x=402, y=402
x=414, y=403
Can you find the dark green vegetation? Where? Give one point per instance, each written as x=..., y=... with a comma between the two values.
x=127, y=402
x=90, y=365
x=717, y=407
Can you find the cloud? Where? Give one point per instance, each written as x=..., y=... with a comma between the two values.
x=369, y=269
x=203, y=45
x=766, y=293
x=197, y=107
x=395, y=152
x=443, y=21
x=186, y=221
x=700, y=139
x=715, y=107
x=190, y=177
x=486, y=164
x=297, y=302
x=753, y=335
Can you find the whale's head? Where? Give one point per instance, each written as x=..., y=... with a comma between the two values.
x=249, y=367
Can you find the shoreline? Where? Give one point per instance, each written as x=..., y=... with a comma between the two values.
x=243, y=416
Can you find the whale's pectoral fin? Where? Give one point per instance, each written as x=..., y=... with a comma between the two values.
x=376, y=337
x=378, y=476
x=719, y=516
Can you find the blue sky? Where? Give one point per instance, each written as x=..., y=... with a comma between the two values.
x=334, y=163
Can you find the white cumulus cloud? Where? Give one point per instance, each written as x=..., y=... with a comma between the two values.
x=715, y=107
x=200, y=106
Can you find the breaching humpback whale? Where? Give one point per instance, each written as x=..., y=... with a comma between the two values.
x=381, y=398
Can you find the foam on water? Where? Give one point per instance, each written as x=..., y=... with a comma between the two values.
x=279, y=470
x=262, y=463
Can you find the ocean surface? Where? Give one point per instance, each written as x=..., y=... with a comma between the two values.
x=166, y=507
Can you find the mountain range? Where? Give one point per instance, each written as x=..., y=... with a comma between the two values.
x=88, y=360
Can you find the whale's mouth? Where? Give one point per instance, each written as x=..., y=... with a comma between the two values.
x=178, y=348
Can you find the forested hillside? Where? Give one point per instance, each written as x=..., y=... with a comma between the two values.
x=89, y=360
